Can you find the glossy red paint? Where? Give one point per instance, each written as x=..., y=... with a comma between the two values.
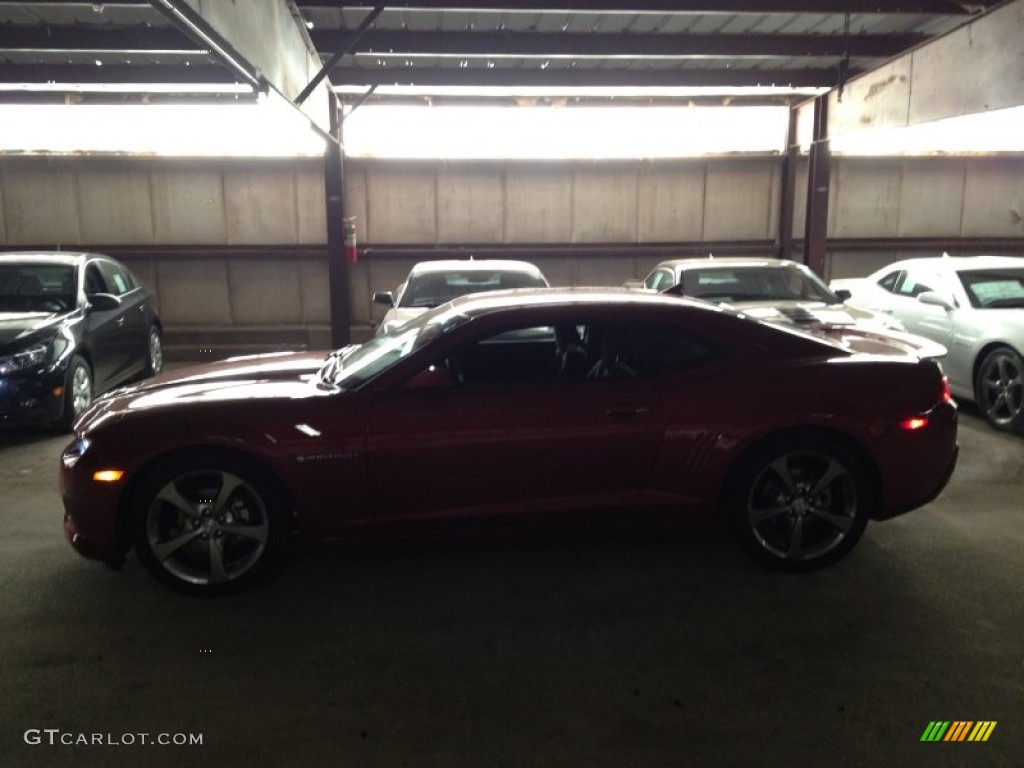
x=401, y=447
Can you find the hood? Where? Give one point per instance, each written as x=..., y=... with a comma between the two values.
x=22, y=326
x=285, y=376
x=810, y=313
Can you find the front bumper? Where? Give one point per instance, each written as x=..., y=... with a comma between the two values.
x=90, y=511
x=28, y=400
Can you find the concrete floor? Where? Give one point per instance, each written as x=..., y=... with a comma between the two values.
x=555, y=653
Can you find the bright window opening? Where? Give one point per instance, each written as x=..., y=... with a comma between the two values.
x=555, y=133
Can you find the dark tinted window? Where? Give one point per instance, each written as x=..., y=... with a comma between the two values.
x=889, y=281
x=994, y=288
x=27, y=287
x=118, y=280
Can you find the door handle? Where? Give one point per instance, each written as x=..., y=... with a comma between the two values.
x=627, y=411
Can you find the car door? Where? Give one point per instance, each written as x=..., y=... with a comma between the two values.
x=131, y=321
x=103, y=334
x=518, y=434
x=929, y=320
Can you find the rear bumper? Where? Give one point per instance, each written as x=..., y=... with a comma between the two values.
x=917, y=465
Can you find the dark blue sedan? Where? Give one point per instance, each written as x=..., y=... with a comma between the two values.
x=72, y=325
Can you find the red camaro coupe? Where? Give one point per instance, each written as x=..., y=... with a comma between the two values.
x=519, y=409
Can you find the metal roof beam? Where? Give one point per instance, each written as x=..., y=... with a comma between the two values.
x=609, y=44
x=570, y=78
x=131, y=74
x=943, y=7
x=141, y=39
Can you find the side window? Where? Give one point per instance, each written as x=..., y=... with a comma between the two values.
x=659, y=280
x=915, y=283
x=888, y=282
x=94, y=281
x=118, y=280
x=510, y=356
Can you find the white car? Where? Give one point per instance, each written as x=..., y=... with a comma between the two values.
x=974, y=305
x=431, y=283
x=774, y=290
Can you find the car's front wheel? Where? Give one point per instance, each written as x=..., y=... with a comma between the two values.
x=799, y=504
x=207, y=525
x=999, y=389
x=77, y=392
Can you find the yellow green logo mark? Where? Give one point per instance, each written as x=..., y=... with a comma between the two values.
x=958, y=730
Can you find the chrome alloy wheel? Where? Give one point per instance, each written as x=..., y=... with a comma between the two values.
x=1001, y=389
x=802, y=505
x=156, y=352
x=81, y=388
x=207, y=527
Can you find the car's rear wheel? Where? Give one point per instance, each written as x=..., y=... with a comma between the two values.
x=999, y=389
x=800, y=503
x=207, y=525
x=77, y=392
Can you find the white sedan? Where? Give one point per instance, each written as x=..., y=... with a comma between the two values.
x=431, y=283
x=974, y=305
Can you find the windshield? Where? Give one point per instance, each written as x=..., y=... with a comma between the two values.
x=27, y=287
x=994, y=288
x=351, y=367
x=430, y=289
x=767, y=283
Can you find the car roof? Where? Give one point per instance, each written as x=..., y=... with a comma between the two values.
x=957, y=262
x=726, y=262
x=49, y=257
x=475, y=265
x=528, y=298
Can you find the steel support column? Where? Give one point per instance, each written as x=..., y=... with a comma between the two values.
x=334, y=198
x=787, y=205
x=818, y=180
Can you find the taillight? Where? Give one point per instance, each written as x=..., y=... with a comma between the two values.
x=945, y=393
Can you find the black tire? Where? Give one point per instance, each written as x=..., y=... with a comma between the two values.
x=78, y=392
x=154, y=352
x=999, y=389
x=800, y=503
x=208, y=524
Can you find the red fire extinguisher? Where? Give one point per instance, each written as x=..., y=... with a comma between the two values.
x=350, y=241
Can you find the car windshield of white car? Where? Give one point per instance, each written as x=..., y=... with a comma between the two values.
x=432, y=289
x=37, y=287
x=994, y=289
x=728, y=285
x=381, y=352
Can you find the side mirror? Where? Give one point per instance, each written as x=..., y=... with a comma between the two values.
x=385, y=298
x=433, y=378
x=842, y=294
x=936, y=300
x=103, y=302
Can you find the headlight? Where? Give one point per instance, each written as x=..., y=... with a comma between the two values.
x=74, y=452
x=20, y=361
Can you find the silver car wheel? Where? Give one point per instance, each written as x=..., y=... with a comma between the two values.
x=81, y=388
x=207, y=527
x=156, y=352
x=801, y=506
x=1000, y=389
